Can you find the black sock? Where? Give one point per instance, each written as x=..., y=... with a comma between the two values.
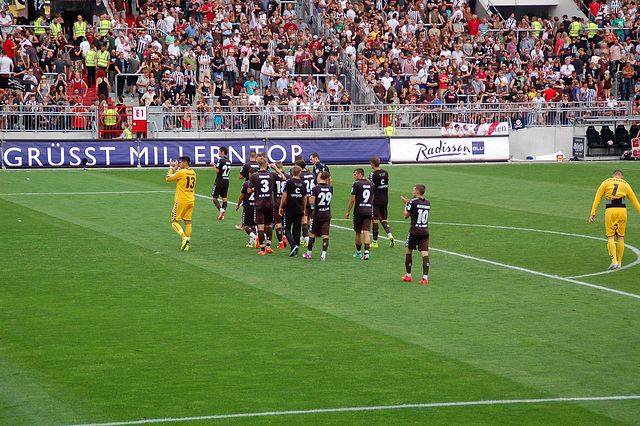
x=358, y=248
x=224, y=205
x=311, y=241
x=325, y=244
x=375, y=231
x=407, y=262
x=217, y=203
x=279, y=233
x=425, y=265
x=386, y=226
x=269, y=232
x=366, y=247
x=305, y=229
x=261, y=238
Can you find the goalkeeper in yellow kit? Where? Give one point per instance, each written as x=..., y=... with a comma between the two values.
x=615, y=190
x=184, y=198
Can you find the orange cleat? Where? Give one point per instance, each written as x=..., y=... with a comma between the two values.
x=269, y=250
x=262, y=253
x=423, y=281
x=406, y=278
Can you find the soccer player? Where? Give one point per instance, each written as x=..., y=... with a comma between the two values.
x=418, y=210
x=292, y=207
x=221, y=185
x=248, y=204
x=380, y=178
x=263, y=183
x=615, y=190
x=362, y=194
x=310, y=181
x=244, y=171
x=320, y=201
x=277, y=217
x=318, y=167
x=183, y=199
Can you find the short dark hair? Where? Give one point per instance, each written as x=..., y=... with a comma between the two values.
x=301, y=164
x=421, y=189
x=223, y=150
x=185, y=158
x=375, y=161
x=299, y=157
x=296, y=170
x=325, y=176
x=314, y=155
x=359, y=171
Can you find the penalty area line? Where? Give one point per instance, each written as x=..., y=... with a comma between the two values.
x=518, y=268
x=83, y=193
x=370, y=408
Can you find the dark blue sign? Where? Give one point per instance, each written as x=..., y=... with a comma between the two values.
x=56, y=154
x=477, y=148
x=330, y=150
x=158, y=153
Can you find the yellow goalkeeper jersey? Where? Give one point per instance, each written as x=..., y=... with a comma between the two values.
x=615, y=190
x=185, y=185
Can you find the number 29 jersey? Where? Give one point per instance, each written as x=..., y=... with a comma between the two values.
x=185, y=185
x=323, y=193
x=419, y=209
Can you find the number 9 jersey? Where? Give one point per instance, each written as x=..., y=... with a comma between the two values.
x=185, y=187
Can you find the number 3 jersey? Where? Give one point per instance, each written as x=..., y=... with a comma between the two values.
x=185, y=186
x=323, y=193
x=419, y=210
x=364, y=191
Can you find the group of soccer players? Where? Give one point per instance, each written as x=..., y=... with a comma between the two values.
x=298, y=205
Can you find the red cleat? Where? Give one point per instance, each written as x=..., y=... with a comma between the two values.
x=269, y=250
x=262, y=253
x=406, y=278
x=423, y=281
x=221, y=215
x=284, y=241
x=281, y=245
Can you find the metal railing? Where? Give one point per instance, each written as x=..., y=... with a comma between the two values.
x=242, y=118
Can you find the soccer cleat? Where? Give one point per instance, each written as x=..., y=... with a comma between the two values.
x=262, y=253
x=303, y=243
x=281, y=245
x=187, y=247
x=221, y=215
x=392, y=241
x=268, y=249
x=613, y=267
x=294, y=252
x=323, y=258
x=306, y=256
x=250, y=244
x=366, y=256
x=185, y=243
x=406, y=277
x=257, y=244
x=424, y=281
x=358, y=255
x=284, y=241
x=374, y=244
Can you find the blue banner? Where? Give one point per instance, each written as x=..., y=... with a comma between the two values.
x=159, y=152
x=71, y=153
x=337, y=150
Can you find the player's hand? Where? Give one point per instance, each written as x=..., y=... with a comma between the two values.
x=404, y=199
x=592, y=218
x=212, y=164
x=237, y=206
x=280, y=211
x=346, y=216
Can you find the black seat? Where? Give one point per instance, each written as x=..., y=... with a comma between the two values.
x=633, y=131
x=623, y=141
x=593, y=139
x=608, y=138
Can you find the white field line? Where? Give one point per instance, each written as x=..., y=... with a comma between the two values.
x=517, y=268
x=371, y=408
x=81, y=193
x=630, y=247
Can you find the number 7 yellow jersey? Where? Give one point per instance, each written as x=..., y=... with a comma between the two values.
x=615, y=191
x=185, y=185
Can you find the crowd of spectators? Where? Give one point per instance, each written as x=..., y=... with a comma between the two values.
x=199, y=57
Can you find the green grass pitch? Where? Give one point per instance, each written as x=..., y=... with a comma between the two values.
x=104, y=319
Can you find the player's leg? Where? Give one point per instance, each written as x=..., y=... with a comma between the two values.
x=176, y=216
x=312, y=239
x=249, y=227
x=611, y=231
x=325, y=240
x=268, y=221
x=214, y=196
x=374, y=229
x=620, y=225
x=385, y=225
x=305, y=229
x=224, y=204
x=259, y=220
x=408, y=258
x=366, y=228
x=423, y=246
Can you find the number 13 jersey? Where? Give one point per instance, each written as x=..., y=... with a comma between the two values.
x=185, y=186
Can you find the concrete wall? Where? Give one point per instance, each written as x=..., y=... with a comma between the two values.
x=537, y=141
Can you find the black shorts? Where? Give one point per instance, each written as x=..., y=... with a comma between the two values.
x=263, y=216
x=320, y=227
x=277, y=218
x=361, y=223
x=219, y=191
x=417, y=242
x=380, y=212
x=247, y=217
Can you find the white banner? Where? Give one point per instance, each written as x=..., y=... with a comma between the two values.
x=473, y=148
x=492, y=129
